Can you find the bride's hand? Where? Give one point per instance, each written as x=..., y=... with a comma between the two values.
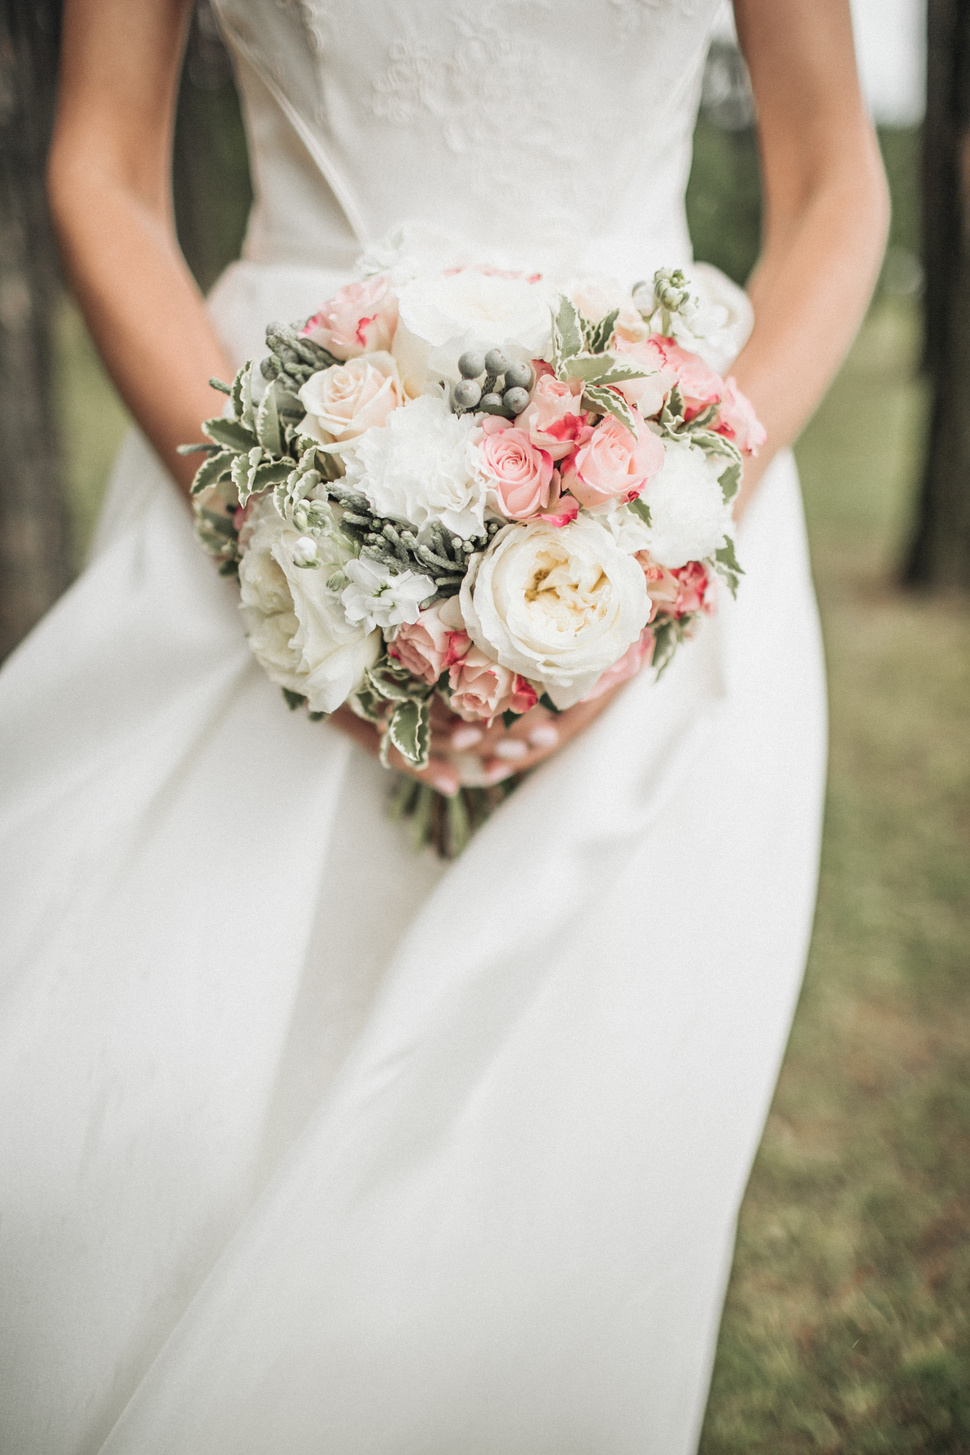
x=461, y=751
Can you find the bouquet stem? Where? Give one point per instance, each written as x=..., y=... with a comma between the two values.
x=442, y=823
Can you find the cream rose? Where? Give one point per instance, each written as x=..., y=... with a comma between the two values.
x=342, y=402
x=559, y=605
x=296, y=625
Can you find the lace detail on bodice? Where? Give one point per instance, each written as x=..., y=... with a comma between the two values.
x=556, y=128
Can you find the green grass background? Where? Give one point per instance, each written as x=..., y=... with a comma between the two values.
x=847, y=1327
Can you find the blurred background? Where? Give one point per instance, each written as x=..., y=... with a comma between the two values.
x=848, y=1318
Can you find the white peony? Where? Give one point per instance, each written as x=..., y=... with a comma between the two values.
x=297, y=627
x=440, y=317
x=380, y=597
x=558, y=605
x=689, y=517
x=417, y=468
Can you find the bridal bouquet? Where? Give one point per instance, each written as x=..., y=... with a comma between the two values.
x=474, y=486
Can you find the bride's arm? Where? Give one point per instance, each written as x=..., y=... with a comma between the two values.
x=111, y=200
x=826, y=210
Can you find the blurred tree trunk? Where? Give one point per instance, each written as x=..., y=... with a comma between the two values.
x=34, y=554
x=209, y=162
x=940, y=552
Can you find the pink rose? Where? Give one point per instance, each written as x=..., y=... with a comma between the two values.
x=561, y=508
x=432, y=644
x=646, y=394
x=699, y=385
x=676, y=593
x=481, y=689
x=358, y=319
x=342, y=401
x=737, y=421
x=628, y=666
x=517, y=475
x=554, y=415
x=612, y=464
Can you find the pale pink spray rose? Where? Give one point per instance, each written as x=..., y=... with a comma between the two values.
x=676, y=593
x=699, y=384
x=481, y=689
x=358, y=319
x=611, y=464
x=433, y=643
x=517, y=474
x=737, y=421
x=648, y=393
x=628, y=666
x=554, y=415
x=343, y=401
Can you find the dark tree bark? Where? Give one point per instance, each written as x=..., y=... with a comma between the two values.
x=940, y=551
x=209, y=162
x=34, y=551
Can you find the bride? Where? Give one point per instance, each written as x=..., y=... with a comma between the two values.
x=311, y=1143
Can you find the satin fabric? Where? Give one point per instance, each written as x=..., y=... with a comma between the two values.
x=308, y=1142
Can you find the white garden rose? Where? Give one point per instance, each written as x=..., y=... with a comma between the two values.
x=558, y=605
x=417, y=468
x=689, y=517
x=297, y=627
x=343, y=401
x=440, y=317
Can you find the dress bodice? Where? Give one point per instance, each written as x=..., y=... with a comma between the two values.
x=556, y=131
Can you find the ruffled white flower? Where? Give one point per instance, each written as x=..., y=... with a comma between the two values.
x=296, y=624
x=558, y=605
x=416, y=468
x=376, y=596
x=440, y=317
x=689, y=517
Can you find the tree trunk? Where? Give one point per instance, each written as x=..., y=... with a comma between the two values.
x=34, y=554
x=940, y=551
x=209, y=163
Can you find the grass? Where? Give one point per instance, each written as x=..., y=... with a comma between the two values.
x=847, y=1327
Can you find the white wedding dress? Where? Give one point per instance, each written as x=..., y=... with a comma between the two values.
x=310, y=1144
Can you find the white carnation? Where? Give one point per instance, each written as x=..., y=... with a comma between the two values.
x=296, y=624
x=559, y=605
x=417, y=468
x=689, y=517
x=380, y=597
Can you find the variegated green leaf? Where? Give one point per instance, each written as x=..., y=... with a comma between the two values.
x=567, y=333
x=410, y=731
x=215, y=468
x=607, y=401
x=230, y=433
x=221, y=524
x=599, y=334
x=730, y=480
x=600, y=369
x=640, y=508
x=268, y=430
x=727, y=566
